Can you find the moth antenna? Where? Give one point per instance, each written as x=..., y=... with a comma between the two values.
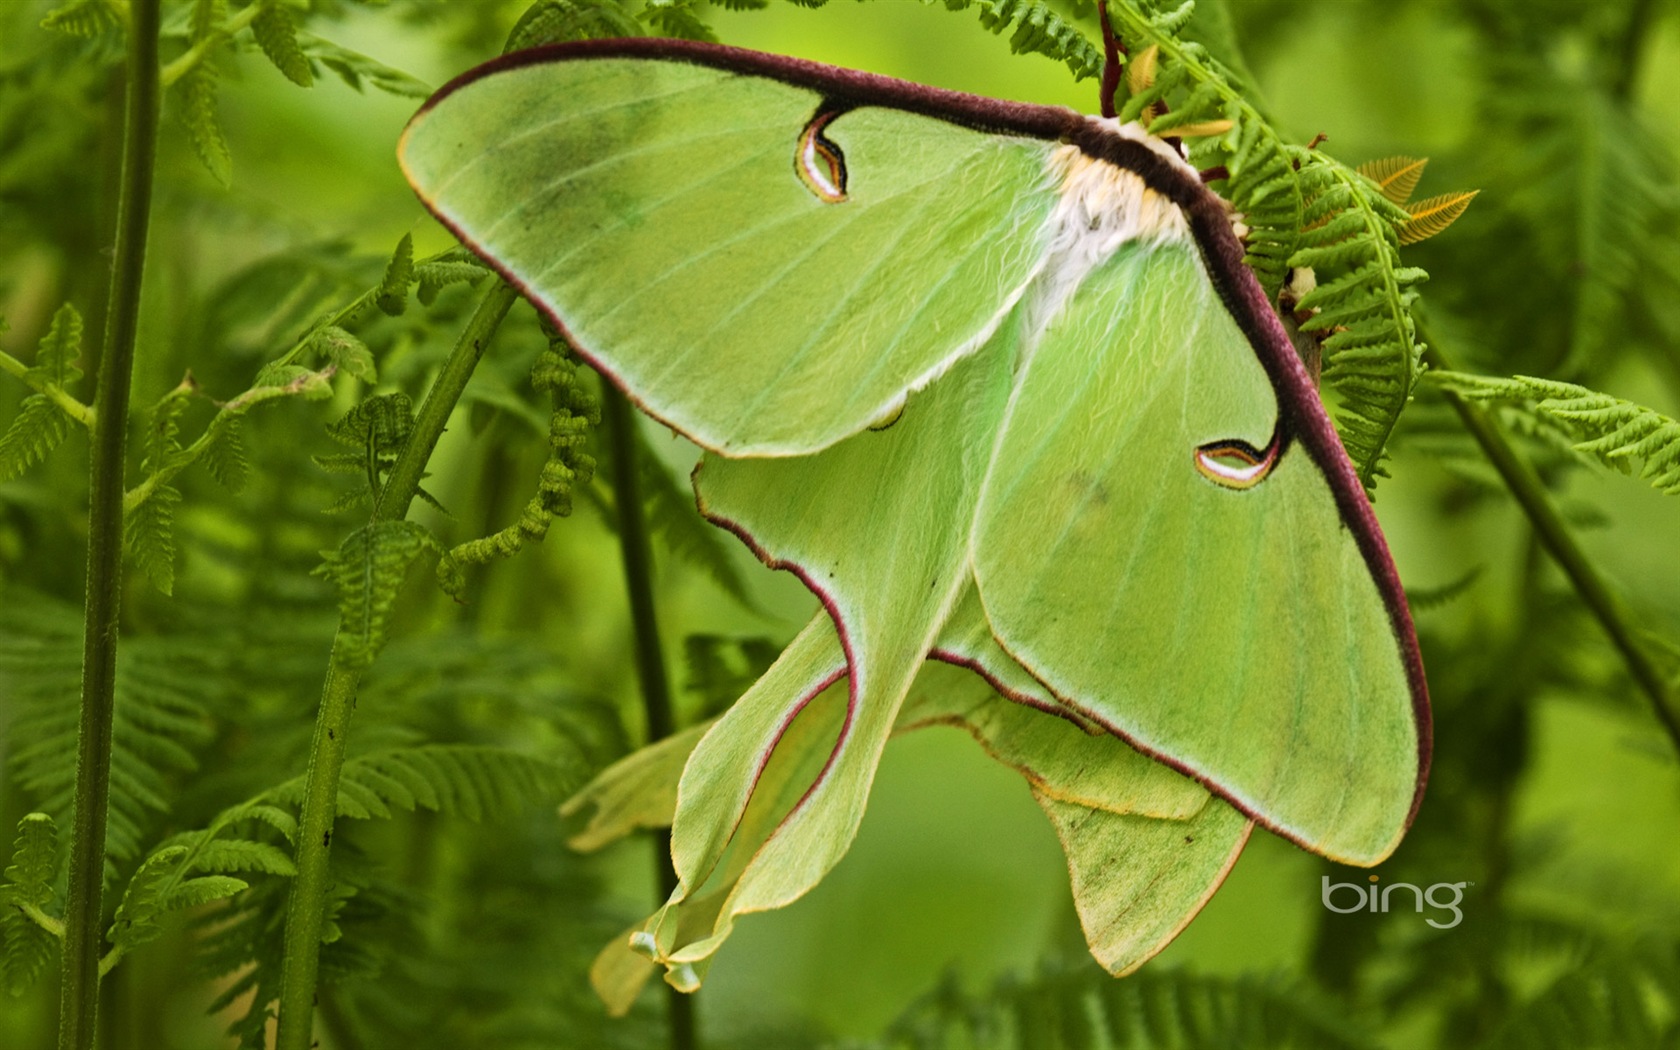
x=1113, y=59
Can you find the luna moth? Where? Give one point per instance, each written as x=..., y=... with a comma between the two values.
x=992, y=379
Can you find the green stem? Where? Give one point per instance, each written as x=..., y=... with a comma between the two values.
x=194, y=55
x=618, y=420
x=306, y=907
x=240, y=405
x=249, y=399
x=74, y=409
x=1531, y=495
x=79, y=985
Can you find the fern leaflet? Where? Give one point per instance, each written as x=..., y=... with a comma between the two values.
x=1615, y=432
x=368, y=569
x=27, y=932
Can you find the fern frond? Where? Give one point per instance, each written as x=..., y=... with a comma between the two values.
x=575, y=411
x=276, y=35
x=204, y=127
x=58, y=351
x=84, y=18
x=355, y=68
x=149, y=529
x=438, y=274
x=1431, y=216
x=26, y=932
x=225, y=456
x=1157, y=1010
x=37, y=429
x=164, y=688
x=344, y=351
x=1396, y=177
x=392, y=295
x=678, y=18
x=1615, y=432
x=1034, y=27
x=149, y=534
x=556, y=21
x=41, y=425
x=1361, y=306
x=368, y=569
x=468, y=780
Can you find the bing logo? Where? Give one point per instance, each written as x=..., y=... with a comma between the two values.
x=1353, y=897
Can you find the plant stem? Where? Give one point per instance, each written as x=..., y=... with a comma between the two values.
x=306, y=908
x=79, y=985
x=619, y=421
x=194, y=55
x=1531, y=495
x=54, y=393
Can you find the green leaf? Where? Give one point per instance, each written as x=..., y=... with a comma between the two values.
x=368, y=569
x=677, y=18
x=34, y=859
x=190, y=893
x=1612, y=431
x=556, y=21
x=1035, y=28
x=57, y=354
x=439, y=274
x=345, y=351
x=144, y=901
x=38, y=428
x=25, y=946
x=149, y=536
x=392, y=296
x=468, y=780
x=276, y=34
x=225, y=456
x=355, y=68
x=84, y=18
x=203, y=126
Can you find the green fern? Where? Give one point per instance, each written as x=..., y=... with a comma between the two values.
x=457, y=266
x=165, y=688
x=40, y=425
x=553, y=21
x=149, y=529
x=1608, y=429
x=392, y=294
x=377, y=429
x=1171, y=1010
x=28, y=934
x=1034, y=27
x=85, y=18
x=276, y=34
x=195, y=868
x=204, y=127
x=368, y=570
x=678, y=18
x=468, y=780
x=1361, y=305
x=568, y=466
x=356, y=69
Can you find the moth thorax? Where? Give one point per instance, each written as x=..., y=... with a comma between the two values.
x=1103, y=206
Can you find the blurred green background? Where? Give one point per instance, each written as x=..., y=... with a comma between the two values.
x=1555, y=794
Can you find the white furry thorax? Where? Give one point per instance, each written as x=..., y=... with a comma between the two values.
x=1100, y=208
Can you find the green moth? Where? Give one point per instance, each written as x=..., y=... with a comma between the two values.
x=993, y=380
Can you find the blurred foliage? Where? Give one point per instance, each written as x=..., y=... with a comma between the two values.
x=297, y=304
